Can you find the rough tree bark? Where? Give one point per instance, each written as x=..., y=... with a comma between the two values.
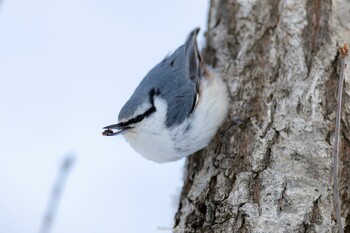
x=271, y=171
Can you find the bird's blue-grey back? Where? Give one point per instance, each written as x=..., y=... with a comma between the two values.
x=175, y=79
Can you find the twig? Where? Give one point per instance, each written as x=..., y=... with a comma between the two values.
x=343, y=65
x=52, y=206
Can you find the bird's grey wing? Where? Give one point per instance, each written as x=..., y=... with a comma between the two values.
x=193, y=60
x=182, y=82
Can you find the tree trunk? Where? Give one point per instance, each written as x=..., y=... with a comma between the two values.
x=270, y=167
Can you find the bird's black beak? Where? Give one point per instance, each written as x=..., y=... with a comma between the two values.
x=120, y=128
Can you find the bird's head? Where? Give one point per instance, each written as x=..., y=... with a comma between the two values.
x=168, y=91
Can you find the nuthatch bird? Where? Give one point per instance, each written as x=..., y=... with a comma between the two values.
x=176, y=109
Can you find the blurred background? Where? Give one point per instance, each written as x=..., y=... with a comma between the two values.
x=66, y=69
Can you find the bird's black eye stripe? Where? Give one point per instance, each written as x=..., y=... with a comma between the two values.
x=138, y=118
x=142, y=116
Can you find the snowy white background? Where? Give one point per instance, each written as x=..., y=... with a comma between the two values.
x=66, y=69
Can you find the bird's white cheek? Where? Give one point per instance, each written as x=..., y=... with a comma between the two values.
x=151, y=138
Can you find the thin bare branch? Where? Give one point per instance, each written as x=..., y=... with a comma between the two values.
x=343, y=65
x=56, y=193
